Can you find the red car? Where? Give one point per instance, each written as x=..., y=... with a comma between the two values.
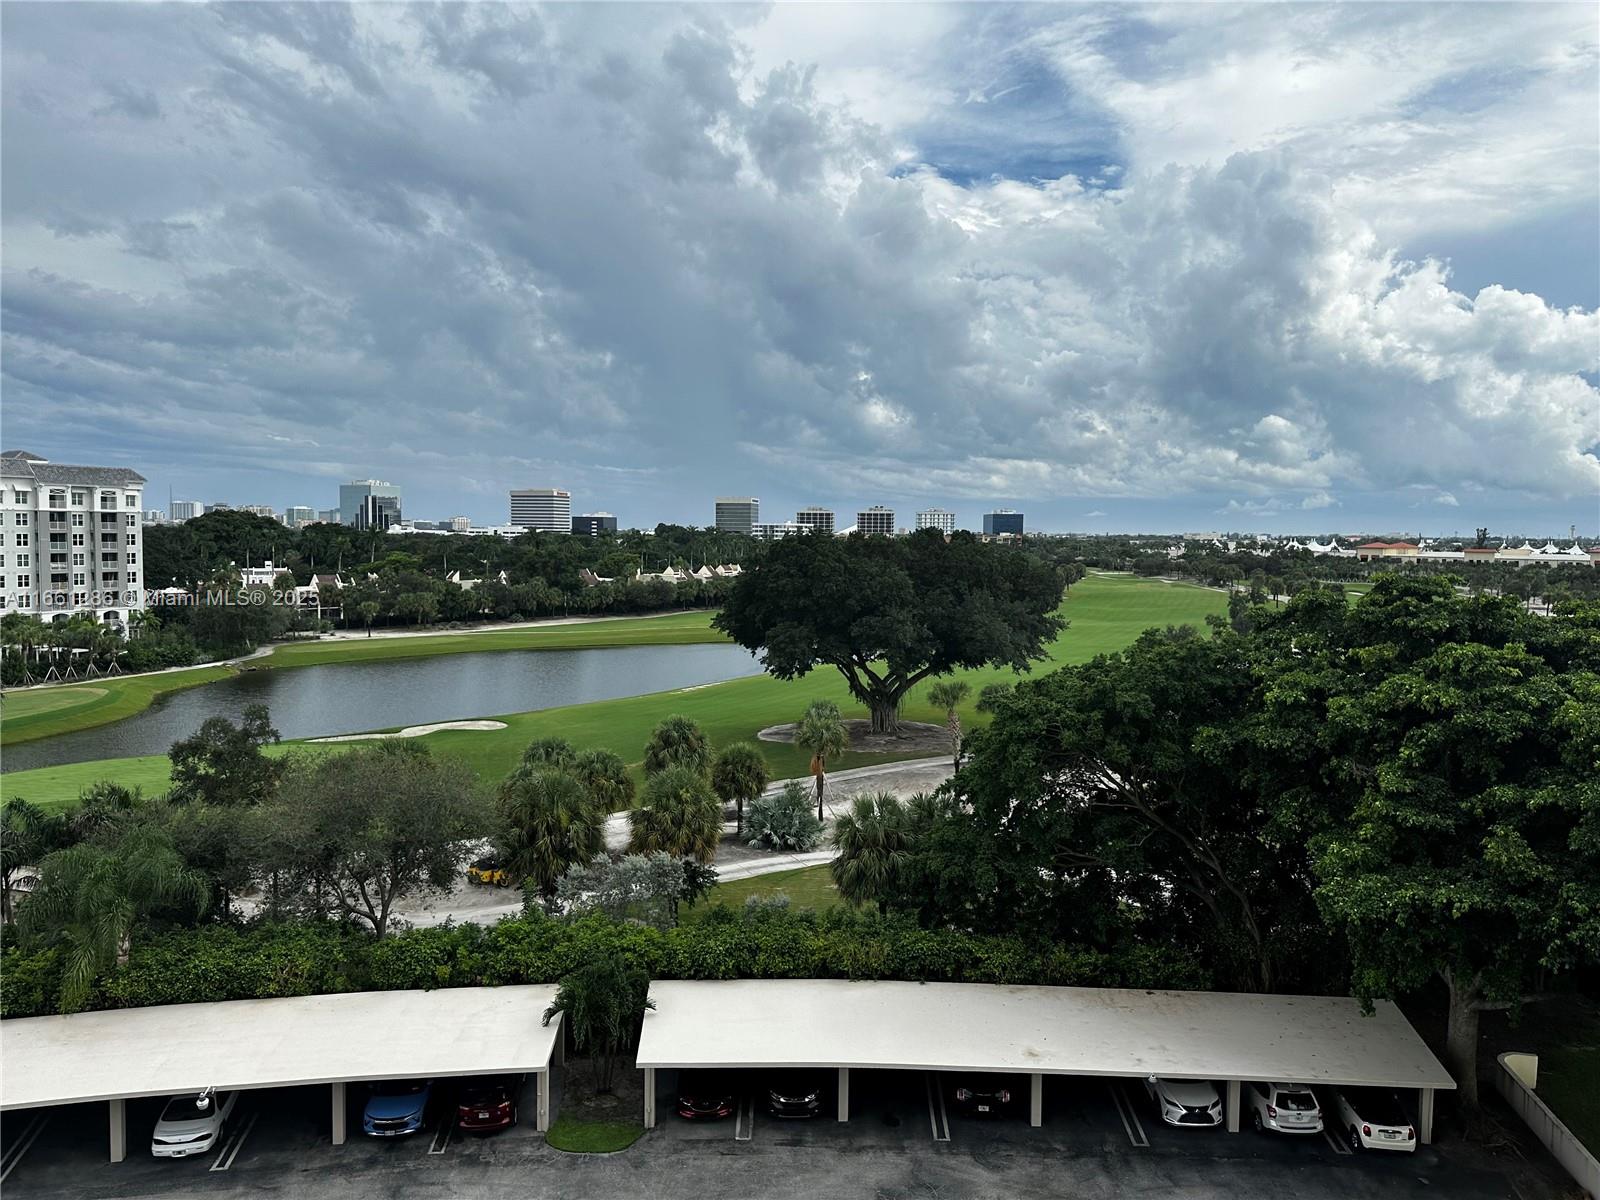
x=704, y=1095
x=487, y=1104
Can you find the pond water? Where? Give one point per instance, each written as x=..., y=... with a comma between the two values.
x=354, y=697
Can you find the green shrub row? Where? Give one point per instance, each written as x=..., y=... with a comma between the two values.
x=236, y=963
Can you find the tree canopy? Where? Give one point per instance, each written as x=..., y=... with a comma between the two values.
x=888, y=613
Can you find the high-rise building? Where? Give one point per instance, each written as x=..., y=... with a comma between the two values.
x=460, y=524
x=876, y=519
x=330, y=516
x=738, y=514
x=72, y=539
x=548, y=510
x=184, y=510
x=297, y=515
x=353, y=493
x=219, y=506
x=377, y=512
x=818, y=520
x=154, y=516
x=260, y=510
x=594, y=524
x=1002, y=520
x=941, y=519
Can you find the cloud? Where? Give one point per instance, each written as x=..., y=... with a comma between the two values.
x=1094, y=513
x=931, y=253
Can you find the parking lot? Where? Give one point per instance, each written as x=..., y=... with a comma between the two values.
x=906, y=1138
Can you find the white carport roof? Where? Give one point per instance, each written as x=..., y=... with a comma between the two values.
x=274, y=1043
x=1050, y=1030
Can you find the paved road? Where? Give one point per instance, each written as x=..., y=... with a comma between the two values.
x=735, y=860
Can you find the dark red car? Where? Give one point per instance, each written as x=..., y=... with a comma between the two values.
x=489, y=1103
x=705, y=1095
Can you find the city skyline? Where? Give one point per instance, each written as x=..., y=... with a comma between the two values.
x=1075, y=261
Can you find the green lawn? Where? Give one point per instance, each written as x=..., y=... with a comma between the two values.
x=43, y=712
x=592, y=1137
x=1105, y=612
x=806, y=887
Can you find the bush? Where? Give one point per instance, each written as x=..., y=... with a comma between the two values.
x=783, y=821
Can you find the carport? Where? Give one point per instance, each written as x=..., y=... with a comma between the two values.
x=1035, y=1031
x=239, y=1045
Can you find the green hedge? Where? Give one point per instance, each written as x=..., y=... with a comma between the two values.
x=228, y=963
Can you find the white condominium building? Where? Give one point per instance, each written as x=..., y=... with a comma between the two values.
x=73, y=539
x=876, y=519
x=548, y=510
x=184, y=510
x=941, y=519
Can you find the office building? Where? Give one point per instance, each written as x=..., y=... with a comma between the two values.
x=941, y=519
x=817, y=520
x=353, y=493
x=219, y=507
x=377, y=512
x=72, y=539
x=330, y=516
x=594, y=524
x=184, y=510
x=154, y=516
x=1002, y=520
x=297, y=515
x=460, y=524
x=738, y=514
x=771, y=531
x=548, y=510
x=876, y=519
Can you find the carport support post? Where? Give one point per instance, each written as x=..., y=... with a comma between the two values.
x=844, y=1093
x=1036, y=1101
x=338, y=1114
x=1232, y=1104
x=542, y=1116
x=1425, y=1117
x=649, y=1097
x=119, y=1130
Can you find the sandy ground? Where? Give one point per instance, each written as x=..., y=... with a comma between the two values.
x=735, y=860
x=913, y=735
x=411, y=731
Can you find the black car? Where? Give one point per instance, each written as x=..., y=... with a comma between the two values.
x=984, y=1095
x=796, y=1094
x=705, y=1095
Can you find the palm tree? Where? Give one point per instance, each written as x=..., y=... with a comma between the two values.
x=27, y=834
x=549, y=752
x=367, y=612
x=678, y=814
x=822, y=732
x=739, y=774
x=91, y=896
x=677, y=741
x=606, y=776
x=548, y=822
x=872, y=841
x=948, y=695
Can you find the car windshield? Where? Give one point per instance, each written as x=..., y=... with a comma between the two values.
x=187, y=1108
x=399, y=1087
x=1382, y=1108
x=1297, y=1101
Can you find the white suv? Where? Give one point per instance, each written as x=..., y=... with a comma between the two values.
x=191, y=1123
x=1374, y=1119
x=1283, y=1108
x=1186, y=1101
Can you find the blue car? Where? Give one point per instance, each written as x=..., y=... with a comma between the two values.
x=396, y=1108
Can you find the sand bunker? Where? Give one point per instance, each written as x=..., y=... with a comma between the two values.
x=411, y=731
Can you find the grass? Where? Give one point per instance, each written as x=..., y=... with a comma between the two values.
x=592, y=1137
x=1567, y=1077
x=44, y=712
x=1106, y=613
x=806, y=887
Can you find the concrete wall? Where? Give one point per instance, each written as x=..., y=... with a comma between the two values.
x=1515, y=1079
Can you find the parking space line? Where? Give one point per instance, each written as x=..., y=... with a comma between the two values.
x=938, y=1118
x=230, y=1148
x=441, y=1136
x=744, y=1120
x=1337, y=1143
x=1130, y=1119
x=18, y=1148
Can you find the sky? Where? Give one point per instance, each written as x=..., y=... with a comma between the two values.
x=1288, y=268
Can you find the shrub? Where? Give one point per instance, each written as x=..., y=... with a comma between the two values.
x=783, y=821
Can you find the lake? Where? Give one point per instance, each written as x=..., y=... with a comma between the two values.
x=320, y=701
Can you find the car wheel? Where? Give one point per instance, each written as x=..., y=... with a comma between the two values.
x=1255, y=1120
x=1355, y=1140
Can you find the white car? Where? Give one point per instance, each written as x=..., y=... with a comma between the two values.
x=1374, y=1119
x=1192, y=1102
x=1283, y=1108
x=192, y=1123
